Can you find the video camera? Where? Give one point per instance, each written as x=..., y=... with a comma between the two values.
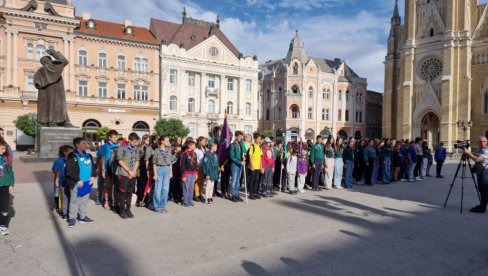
x=461, y=144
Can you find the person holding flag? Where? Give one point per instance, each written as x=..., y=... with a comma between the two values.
x=223, y=154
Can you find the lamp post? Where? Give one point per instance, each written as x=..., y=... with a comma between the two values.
x=465, y=125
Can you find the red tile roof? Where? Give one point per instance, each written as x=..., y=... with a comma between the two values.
x=116, y=31
x=188, y=34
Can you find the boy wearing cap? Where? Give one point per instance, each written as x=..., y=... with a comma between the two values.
x=267, y=168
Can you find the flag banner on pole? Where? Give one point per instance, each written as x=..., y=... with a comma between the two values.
x=224, y=142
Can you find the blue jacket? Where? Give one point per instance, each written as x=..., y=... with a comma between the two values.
x=106, y=151
x=440, y=154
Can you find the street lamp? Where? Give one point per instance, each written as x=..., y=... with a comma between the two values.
x=465, y=125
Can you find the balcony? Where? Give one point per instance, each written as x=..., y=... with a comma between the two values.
x=211, y=92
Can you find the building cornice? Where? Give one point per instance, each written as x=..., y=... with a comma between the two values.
x=209, y=64
x=38, y=16
x=107, y=39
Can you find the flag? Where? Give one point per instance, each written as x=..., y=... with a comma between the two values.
x=224, y=142
x=285, y=148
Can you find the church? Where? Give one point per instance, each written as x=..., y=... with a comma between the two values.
x=436, y=72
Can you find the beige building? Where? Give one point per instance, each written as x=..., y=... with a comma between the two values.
x=203, y=75
x=112, y=79
x=436, y=71
x=305, y=96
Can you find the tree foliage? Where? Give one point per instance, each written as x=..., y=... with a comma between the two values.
x=28, y=124
x=269, y=133
x=172, y=128
x=102, y=132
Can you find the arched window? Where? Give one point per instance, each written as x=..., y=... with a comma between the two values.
x=82, y=58
x=120, y=62
x=102, y=60
x=91, y=123
x=359, y=97
x=295, y=69
x=340, y=95
x=310, y=92
x=248, y=109
x=230, y=108
x=431, y=32
x=140, y=125
x=485, y=103
x=295, y=89
x=211, y=106
x=295, y=111
x=173, y=100
x=40, y=51
x=191, y=105
x=328, y=94
x=30, y=51
x=347, y=95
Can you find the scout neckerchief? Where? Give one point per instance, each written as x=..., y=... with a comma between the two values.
x=164, y=154
x=191, y=156
x=132, y=151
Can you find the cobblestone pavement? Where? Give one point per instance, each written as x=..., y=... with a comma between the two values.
x=397, y=229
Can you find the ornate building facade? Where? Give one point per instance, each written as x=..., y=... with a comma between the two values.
x=303, y=96
x=436, y=71
x=112, y=78
x=203, y=75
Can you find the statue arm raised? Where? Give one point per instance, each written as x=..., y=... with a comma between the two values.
x=58, y=57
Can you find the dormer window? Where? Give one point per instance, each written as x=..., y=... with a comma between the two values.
x=128, y=30
x=90, y=24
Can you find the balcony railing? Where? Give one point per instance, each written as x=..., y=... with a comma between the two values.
x=211, y=92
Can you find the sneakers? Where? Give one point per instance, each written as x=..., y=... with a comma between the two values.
x=3, y=231
x=123, y=214
x=477, y=209
x=338, y=187
x=71, y=223
x=418, y=178
x=85, y=220
x=130, y=214
x=239, y=199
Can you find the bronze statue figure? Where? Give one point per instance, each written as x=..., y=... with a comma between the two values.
x=51, y=100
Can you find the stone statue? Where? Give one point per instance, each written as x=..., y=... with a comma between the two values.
x=51, y=100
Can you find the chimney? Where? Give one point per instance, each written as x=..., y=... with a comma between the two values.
x=86, y=16
x=127, y=23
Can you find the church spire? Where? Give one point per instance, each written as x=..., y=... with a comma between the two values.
x=396, y=19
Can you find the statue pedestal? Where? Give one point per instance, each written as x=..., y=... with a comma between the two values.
x=48, y=141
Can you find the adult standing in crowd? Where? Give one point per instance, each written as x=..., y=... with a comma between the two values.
x=481, y=161
x=440, y=158
x=317, y=160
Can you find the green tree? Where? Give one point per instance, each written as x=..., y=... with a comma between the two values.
x=172, y=128
x=269, y=133
x=102, y=132
x=27, y=123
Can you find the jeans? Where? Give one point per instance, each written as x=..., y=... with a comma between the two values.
x=348, y=176
x=338, y=171
x=423, y=170
x=188, y=189
x=267, y=185
x=410, y=169
x=78, y=205
x=386, y=170
x=291, y=181
x=161, y=188
x=483, y=188
x=374, y=175
x=236, y=178
x=316, y=172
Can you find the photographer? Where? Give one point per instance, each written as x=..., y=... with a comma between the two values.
x=480, y=168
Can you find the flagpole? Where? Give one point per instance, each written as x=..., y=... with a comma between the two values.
x=245, y=182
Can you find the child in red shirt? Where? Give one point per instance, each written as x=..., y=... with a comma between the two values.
x=267, y=168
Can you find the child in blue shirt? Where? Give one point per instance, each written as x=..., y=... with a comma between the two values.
x=58, y=169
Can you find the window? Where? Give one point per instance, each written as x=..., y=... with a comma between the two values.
x=327, y=94
x=268, y=94
x=90, y=24
x=359, y=116
x=191, y=79
x=485, y=103
x=327, y=114
x=193, y=129
x=30, y=83
x=295, y=111
x=280, y=90
x=295, y=69
x=214, y=52
x=121, y=91
x=347, y=115
x=248, y=109
x=339, y=115
x=340, y=95
x=295, y=89
x=267, y=114
x=173, y=103
x=144, y=65
x=121, y=63
x=247, y=129
x=83, y=88
x=140, y=92
x=248, y=86
x=211, y=82
x=324, y=93
x=102, y=60
x=431, y=32
x=230, y=108
x=310, y=92
x=82, y=58
x=310, y=113
x=102, y=90
x=347, y=96
x=359, y=97
x=30, y=51
x=230, y=84
x=173, y=76
x=40, y=51
x=279, y=113
x=191, y=105
x=211, y=106
x=137, y=64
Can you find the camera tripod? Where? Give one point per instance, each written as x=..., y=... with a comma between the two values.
x=464, y=162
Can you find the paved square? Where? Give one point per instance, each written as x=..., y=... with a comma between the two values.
x=397, y=229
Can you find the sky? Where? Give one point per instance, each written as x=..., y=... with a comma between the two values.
x=353, y=30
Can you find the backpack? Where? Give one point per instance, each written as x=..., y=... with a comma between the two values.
x=248, y=154
x=113, y=162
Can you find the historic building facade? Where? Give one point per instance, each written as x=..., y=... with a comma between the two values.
x=112, y=79
x=203, y=75
x=374, y=112
x=436, y=71
x=303, y=96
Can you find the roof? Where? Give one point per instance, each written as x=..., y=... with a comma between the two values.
x=189, y=34
x=116, y=31
x=62, y=2
x=297, y=50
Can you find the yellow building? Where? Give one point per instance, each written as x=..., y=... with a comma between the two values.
x=112, y=79
x=305, y=96
x=436, y=71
